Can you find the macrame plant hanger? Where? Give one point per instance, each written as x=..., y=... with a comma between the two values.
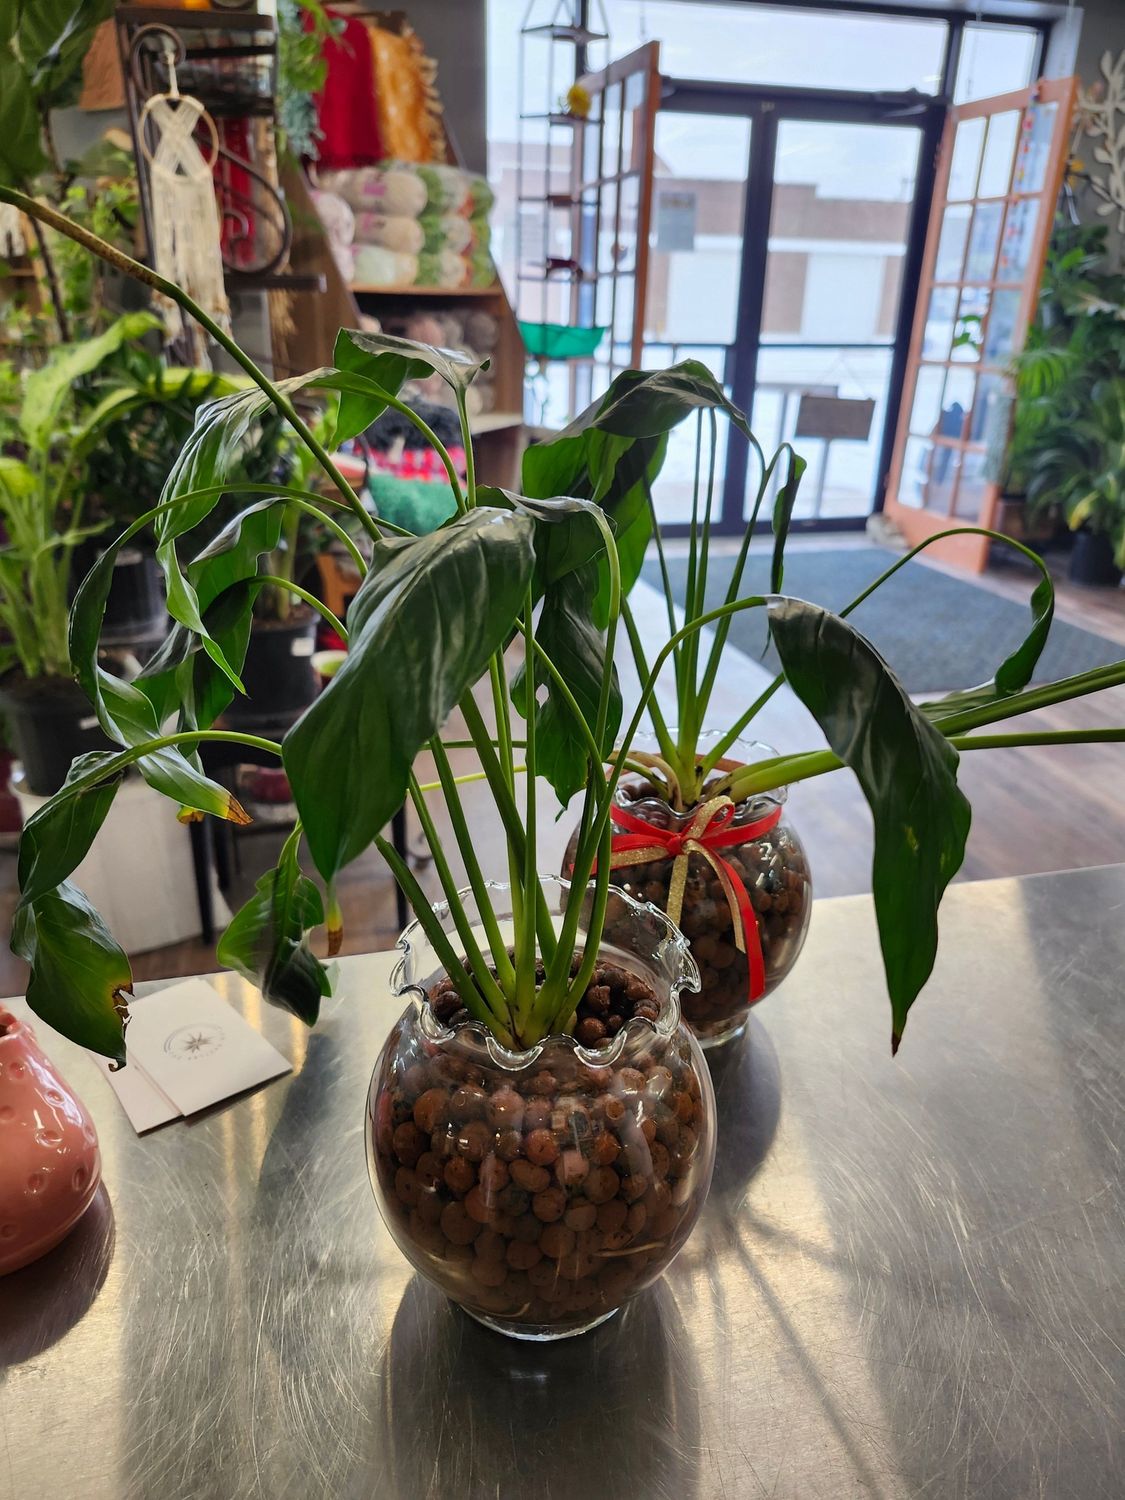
x=186, y=244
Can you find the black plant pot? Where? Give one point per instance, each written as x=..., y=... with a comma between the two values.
x=1092, y=562
x=135, y=604
x=278, y=672
x=50, y=721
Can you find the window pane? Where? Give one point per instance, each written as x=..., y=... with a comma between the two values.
x=695, y=260
x=915, y=472
x=963, y=169
x=994, y=60
x=971, y=490
x=951, y=246
x=957, y=403
x=842, y=473
x=943, y=477
x=983, y=240
x=999, y=152
x=926, y=409
x=1019, y=235
x=769, y=44
x=1035, y=148
x=1001, y=328
x=938, y=333
x=968, y=334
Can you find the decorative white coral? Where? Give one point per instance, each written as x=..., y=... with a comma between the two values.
x=1101, y=112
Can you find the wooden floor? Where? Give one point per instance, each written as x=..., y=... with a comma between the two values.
x=1033, y=810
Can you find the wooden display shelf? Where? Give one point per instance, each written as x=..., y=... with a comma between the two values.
x=364, y=289
x=494, y=421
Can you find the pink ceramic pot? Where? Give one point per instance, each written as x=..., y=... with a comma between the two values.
x=50, y=1166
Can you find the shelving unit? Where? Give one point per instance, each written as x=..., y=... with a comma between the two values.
x=555, y=45
x=500, y=433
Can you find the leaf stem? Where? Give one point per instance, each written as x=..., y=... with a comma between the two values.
x=485, y=980
x=309, y=599
x=447, y=783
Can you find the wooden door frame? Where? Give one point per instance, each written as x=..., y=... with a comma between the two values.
x=645, y=61
x=919, y=525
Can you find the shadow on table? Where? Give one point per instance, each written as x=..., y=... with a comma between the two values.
x=466, y=1411
x=747, y=1079
x=44, y=1301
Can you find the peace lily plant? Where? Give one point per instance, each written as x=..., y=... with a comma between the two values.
x=432, y=618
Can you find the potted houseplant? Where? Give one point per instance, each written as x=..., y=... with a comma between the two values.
x=48, y=510
x=699, y=816
x=41, y=500
x=1081, y=469
x=1065, y=441
x=539, y=1073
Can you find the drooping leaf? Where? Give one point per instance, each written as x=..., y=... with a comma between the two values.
x=182, y=676
x=657, y=402
x=124, y=711
x=908, y=773
x=568, y=535
x=57, y=837
x=233, y=553
x=389, y=362
x=427, y=617
x=783, y=514
x=79, y=975
x=569, y=546
x=1015, y=671
x=268, y=939
x=613, y=453
x=567, y=632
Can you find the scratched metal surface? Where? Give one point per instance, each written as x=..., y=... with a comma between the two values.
x=908, y=1280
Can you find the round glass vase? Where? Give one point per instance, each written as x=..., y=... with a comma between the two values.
x=540, y=1190
x=771, y=868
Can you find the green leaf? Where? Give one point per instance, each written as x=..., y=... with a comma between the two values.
x=47, y=389
x=233, y=553
x=783, y=514
x=1015, y=671
x=57, y=837
x=53, y=36
x=567, y=537
x=21, y=151
x=567, y=632
x=427, y=617
x=182, y=676
x=79, y=975
x=126, y=714
x=267, y=941
x=389, y=363
x=614, y=451
x=908, y=773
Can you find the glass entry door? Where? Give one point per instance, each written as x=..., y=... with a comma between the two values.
x=779, y=262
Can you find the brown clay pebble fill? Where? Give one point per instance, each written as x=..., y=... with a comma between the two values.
x=524, y=1194
x=774, y=872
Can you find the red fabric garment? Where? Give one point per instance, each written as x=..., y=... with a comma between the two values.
x=349, y=120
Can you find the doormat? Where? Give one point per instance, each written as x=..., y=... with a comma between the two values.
x=939, y=634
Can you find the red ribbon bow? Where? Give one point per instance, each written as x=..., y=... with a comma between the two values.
x=708, y=831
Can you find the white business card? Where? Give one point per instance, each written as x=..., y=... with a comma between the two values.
x=192, y=1050
x=141, y=1100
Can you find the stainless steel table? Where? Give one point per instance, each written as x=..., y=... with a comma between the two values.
x=907, y=1282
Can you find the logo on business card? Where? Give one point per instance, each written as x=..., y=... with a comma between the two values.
x=190, y=1043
